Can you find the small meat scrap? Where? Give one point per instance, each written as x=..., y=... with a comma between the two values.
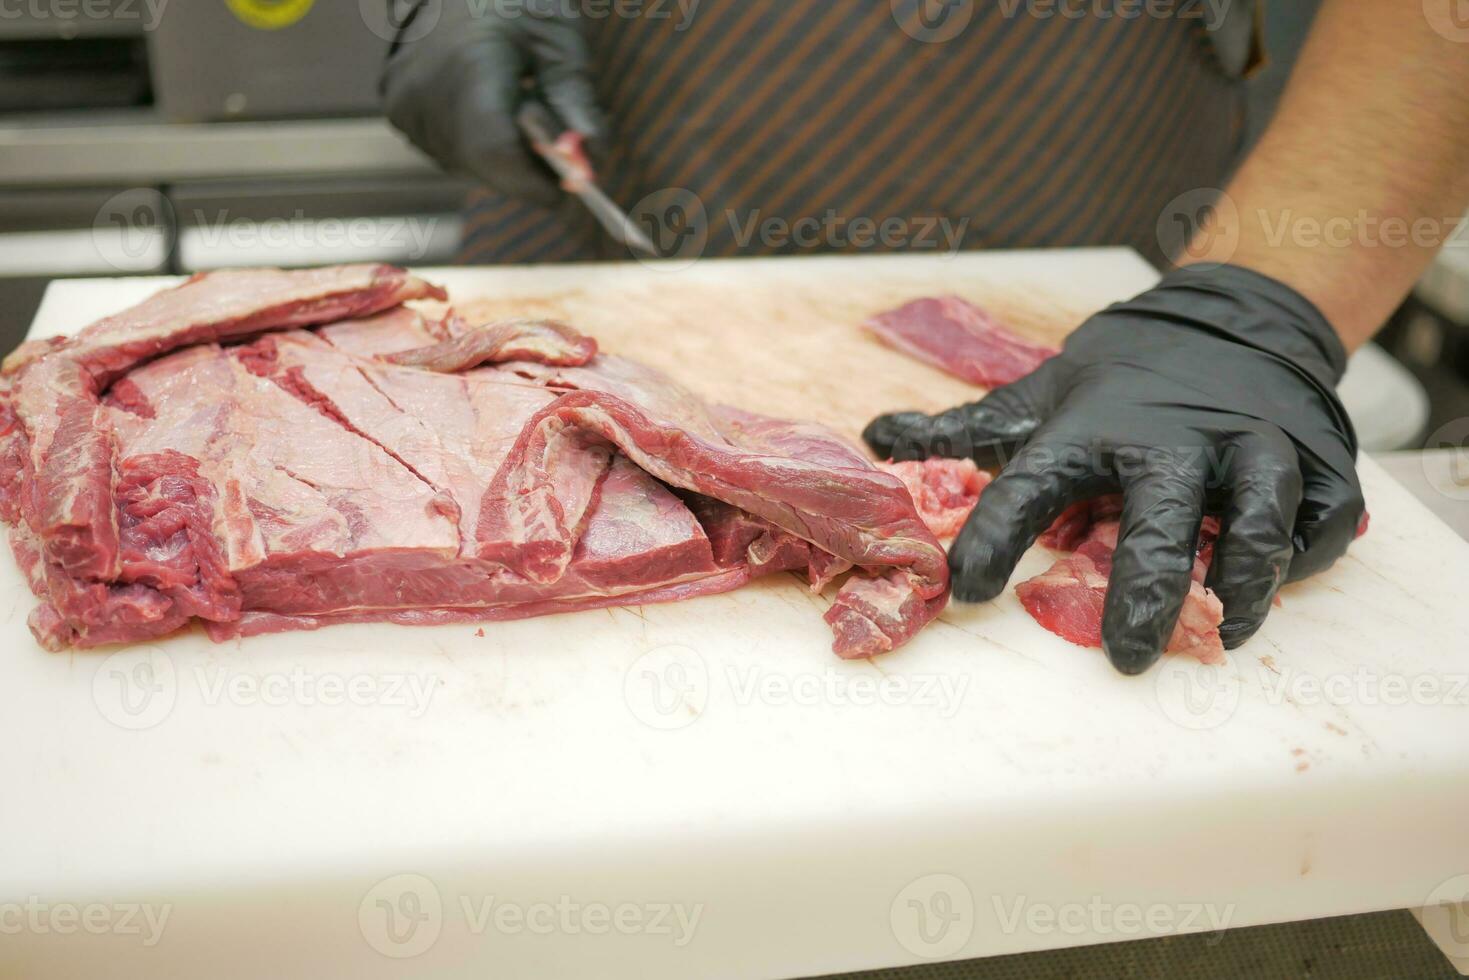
x=956, y=336
x=873, y=615
x=1068, y=531
x=539, y=341
x=1067, y=598
x=943, y=490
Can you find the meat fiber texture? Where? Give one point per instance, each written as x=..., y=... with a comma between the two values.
x=1067, y=598
x=265, y=450
x=943, y=490
x=956, y=336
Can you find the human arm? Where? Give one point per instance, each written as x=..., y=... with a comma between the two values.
x=1364, y=172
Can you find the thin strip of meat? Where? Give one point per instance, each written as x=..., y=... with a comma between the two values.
x=956, y=336
x=542, y=341
x=1067, y=598
x=214, y=307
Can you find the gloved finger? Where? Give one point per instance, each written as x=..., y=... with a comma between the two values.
x=1253, y=553
x=886, y=433
x=1027, y=496
x=987, y=431
x=563, y=70
x=482, y=128
x=1331, y=511
x=913, y=435
x=1162, y=508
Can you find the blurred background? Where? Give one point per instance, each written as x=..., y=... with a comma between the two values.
x=242, y=132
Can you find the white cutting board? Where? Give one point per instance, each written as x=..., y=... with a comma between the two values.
x=547, y=798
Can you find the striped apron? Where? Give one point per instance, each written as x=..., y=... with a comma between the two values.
x=875, y=125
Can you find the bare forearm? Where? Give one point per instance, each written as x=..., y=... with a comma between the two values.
x=1364, y=171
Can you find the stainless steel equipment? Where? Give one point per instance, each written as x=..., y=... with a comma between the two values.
x=257, y=59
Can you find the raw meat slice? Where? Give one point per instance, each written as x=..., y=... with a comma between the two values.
x=944, y=490
x=868, y=614
x=635, y=515
x=103, y=612
x=1067, y=598
x=639, y=540
x=401, y=328
x=726, y=438
x=738, y=538
x=166, y=514
x=811, y=441
x=298, y=480
x=873, y=615
x=320, y=537
x=530, y=515
x=69, y=507
x=1068, y=531
x=542, y=341
x=219, y=306
x=956, y=336
x=451, y=431
x=639, y=384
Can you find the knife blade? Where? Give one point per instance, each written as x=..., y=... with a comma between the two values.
x=561, y=148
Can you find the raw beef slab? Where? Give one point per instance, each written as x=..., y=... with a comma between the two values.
x=203, y=456
x=956, y=336
x=52, y=389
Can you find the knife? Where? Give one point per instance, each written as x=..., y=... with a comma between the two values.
x=561, y=148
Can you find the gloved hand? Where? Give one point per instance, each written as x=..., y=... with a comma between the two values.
x=1214, y=391
x=455, y=91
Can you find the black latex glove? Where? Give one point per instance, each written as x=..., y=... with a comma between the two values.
x=1212, y=392
x=454, y=91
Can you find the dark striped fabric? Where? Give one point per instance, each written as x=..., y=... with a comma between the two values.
x=1021, y=131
